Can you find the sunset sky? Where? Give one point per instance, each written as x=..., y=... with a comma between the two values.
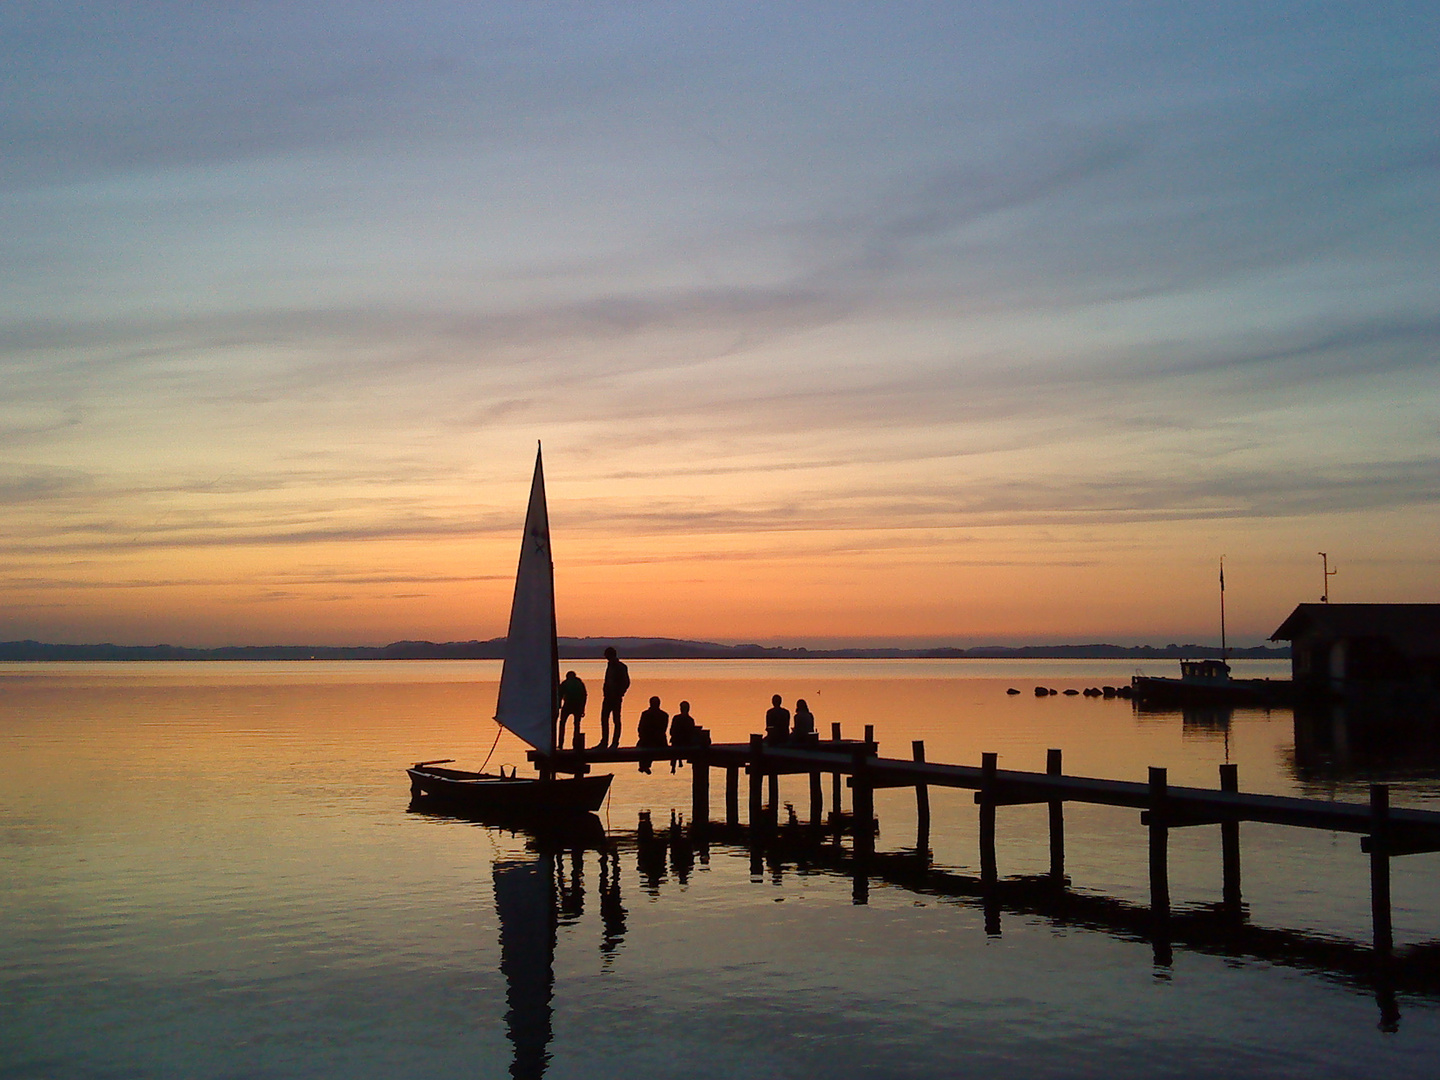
x=949, y=323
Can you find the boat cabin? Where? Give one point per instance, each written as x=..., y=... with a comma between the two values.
x=1205, y=672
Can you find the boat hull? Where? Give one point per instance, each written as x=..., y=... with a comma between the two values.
x=506, y=794
x=1159, y=691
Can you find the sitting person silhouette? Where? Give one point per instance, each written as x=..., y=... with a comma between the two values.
x=682, y=731
x=651, y=730
x=803, y=730
x=777, y=722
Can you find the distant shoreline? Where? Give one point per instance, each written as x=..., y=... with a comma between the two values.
x=629, y=648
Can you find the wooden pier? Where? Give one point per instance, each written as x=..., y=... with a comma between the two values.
x=1385, y=832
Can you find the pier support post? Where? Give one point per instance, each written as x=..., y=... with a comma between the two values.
x=732, y=795
x=1057, y=823
x=817, y=801
x=772, y=809
x=1230, y=848
x=1380, y=907
x=989, y=877
x=1380, y=868
x=757, y=773
x=1160, y=866
x=699, y=788
x=836, y=789
x=922, y=807
x=862, y=796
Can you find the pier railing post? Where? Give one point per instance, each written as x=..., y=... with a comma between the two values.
x=1160, y=865
x=1057, y=823
x=1230, y=848
x=922, y=807
x=989, y=877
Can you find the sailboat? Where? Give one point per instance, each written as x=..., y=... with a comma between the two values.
x=529, y=695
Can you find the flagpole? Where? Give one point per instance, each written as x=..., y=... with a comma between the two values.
x=1224, y=652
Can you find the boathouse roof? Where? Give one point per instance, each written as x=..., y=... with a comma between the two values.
x=1413, y=628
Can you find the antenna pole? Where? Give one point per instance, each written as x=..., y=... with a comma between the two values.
x=1326, y=575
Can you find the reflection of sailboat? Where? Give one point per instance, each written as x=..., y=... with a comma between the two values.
x=534, y=897
x=525, y=903
x=529, y=693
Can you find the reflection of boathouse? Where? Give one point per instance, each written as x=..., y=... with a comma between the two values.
x=1373, y=656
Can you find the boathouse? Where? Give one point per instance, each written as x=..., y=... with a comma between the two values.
x=1381, y=655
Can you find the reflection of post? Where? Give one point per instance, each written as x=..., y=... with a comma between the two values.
x=989, y=876
x=1230, y=848
x=1057, y=823
x=922, y=806
x=732, y=795
x=1159, y=866
x=525, y=904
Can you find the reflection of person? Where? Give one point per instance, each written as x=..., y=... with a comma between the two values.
x=572, y=703
x=777, y=722
x=651, y=729
x=682, y=731
x=804, y=726
x=617, y=681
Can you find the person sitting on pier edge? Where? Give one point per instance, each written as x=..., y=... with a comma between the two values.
x=572, y=703
x=617, y=681
x=651, y=730
x=803, y=730
x=777, y=723
x=682, y=731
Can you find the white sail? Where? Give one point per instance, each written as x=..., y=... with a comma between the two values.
x=530, y=679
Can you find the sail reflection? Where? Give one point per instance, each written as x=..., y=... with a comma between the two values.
x=525, y=900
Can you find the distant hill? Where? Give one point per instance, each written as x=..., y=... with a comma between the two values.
x=634, y=648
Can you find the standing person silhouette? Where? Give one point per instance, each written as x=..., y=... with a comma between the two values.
x=617, y=681
x=777, y=722
x=572, y=703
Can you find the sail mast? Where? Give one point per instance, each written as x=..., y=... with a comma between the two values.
x=530, y=678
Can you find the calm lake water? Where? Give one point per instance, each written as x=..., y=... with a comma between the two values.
x=211, y=870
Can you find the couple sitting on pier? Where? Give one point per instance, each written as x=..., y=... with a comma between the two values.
x=778, y=728
x=651, y=728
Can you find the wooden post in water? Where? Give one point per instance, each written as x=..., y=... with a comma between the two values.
x=1380, y=870
x=732, y=795
x=699, y=787
x=757, y=770
x=989, y=876
x=1160, y=865
x=817, y=800
x=922, y=806
x=1057, y=823
x=1230, y=848
x=836, y=806
x=772, y=810
x=862, y=796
